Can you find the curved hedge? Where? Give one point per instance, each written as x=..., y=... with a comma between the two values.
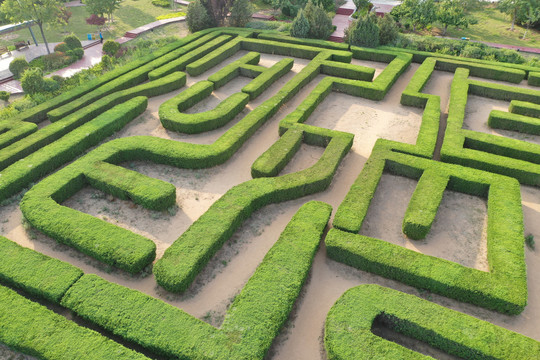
x=348, y=334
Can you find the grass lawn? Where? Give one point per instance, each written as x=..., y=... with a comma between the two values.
x=494, y=26
x=131, y=14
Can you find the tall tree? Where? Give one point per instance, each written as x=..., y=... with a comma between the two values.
x=511, y=7
x=41, y=11
x=531, y=14
x=102, y=7
x=418, y=12
x=451, y=13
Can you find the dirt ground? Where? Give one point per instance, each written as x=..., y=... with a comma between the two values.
x=458, y=234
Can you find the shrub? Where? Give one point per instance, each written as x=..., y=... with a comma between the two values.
x=300, y=26
x=72, y=42
x=388, y=29
x=78, y=53
x=289, y=9
x=50, y=85
x=56, y=60
x=18, y=66
x=364, y=32
x=58, y=79
x=328, y=5
x=61, y=47
x=4, y=95
x=161, y=3
x=320, y=24
x=197, y=17
x=32, y=81
x=106, y=61
x=111, y=47
x=241, y=12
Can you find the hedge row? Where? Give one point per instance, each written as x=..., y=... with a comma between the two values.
x=514, y=122
x=45, y=160
x=131, y=74
x=515, y=158
x=262, y=82
x=180, y=63
x=251, y=323
x=348, y=71
x=534, y=78
x=12, y=131
x=35, y=273
x=503, y=288
x=43, y=198
x=173, y=118
x=483, y=70
x=524, y=108
x=348, y=329
x=37, y=331
x=220, y=54
x=273, y=160
x=56, y=131
x=308, y=42
x=231, y=71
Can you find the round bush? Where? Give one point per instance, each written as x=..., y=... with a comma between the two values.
x=18, y=66
x=4, y=95
x=111, y=47
x=388, y=29
x=32, y=81
x=50, y=85
x=106, y=62
x=78, y=53
x=300, y=26
x=72, y=42
x=197, y=17
x=61, y=47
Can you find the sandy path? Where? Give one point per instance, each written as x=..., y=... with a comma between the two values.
x=227, y=273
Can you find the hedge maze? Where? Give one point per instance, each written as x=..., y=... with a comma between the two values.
x=63, y=145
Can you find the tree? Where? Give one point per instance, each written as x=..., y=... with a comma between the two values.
x=197, y=17
x=217, y=10
x=388, y=29
x=531, y=14
x=64, y=16
x=320, y=24
x=97, y=20
x=241, y=13
x=511, y=7
x=362, y=5
x=300, y=26
x=102, y=7
x=451, y=12
x=419, y=12
x=364, y=31
x=41, y=11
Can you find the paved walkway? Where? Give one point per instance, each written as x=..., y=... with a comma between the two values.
x=153, y=25
x=341, y=21
x=74, y=3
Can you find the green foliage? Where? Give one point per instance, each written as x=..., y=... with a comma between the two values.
x=269, y=25
x=111, y=47
x=529, y=241
x=32, y=81
x=320, y=24
x=73, y=42
x=348, y=329
x=171, y=15
x=18, y=66
x=451, y=13
x=327, y=5
x=534, y=79
x=364, y=31
x=363, y=6
x=102, y=7
x=388, y=29
x=4, y=95
x=197, y=17
x=162, y=3
x=289, y=9
x=300, y=26
x=420, y=13
x=241, y=12
x=33, y=329
x=61, y=47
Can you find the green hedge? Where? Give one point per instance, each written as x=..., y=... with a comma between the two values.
x=15, y=177
x=231, y=71
x=348, y=71
x=35, y=273
x=262, y=82
x=348, y=329
x=173, y=118
x=180, y=63
x=37, y=331
x=273, y=160
x=211, y=59
x=128, y=75
x=252, y=322
x=308, y=42
x=12, y=131
x=503, y=92
x=534, y=78
x=503, y=288
x=524, y=108
x=483, y=70
x=514, y=122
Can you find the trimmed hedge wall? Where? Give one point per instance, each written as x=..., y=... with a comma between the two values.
x=173, y=118
x=35, y=273
x=226, y=50
x=483, y=70
x=514, y=122
x=348, y=334
x=267, y=77
x=231, y=71
x=37, y=331
x=273, y=160
x=524, y=108
x=534, y=79
x=503, y=288
x=12, y=131
x=252, y=322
